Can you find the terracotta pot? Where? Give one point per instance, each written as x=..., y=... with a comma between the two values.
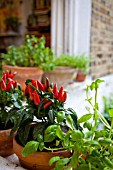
x=37, y=160
x=6, y=143
x=61, y=75
x=80, y=76
x=24, y=73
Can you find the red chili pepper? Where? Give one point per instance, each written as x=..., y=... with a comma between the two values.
x=8, y=86
x=48, y=103
x=3, y=85
x=7, y=73
x=34, y=83
x=4, y=77
x=47, y=85
x=15, y=84
x=55, y=90
x=12, y=75
x=36, y=98
x=29, y=91
x=40, y=86
x=60, y=94
x=64, y=97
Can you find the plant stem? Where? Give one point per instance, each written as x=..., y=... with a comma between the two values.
x=95, y=108
x=56, y=149
x=111, y=127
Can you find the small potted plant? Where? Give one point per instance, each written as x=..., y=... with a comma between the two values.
x=44, y=123
x=82, y=64
x=10, y=102
x=28, y=59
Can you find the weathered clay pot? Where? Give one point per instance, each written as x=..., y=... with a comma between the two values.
x=37, y=160
x=6, y=143
x=81, y=76
x=62, y=75
x=24, y=73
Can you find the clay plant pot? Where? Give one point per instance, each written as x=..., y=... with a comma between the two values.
x=37, y=160
x=81, y=76
x=62, y=75
x=24, y=73
x=6, y=143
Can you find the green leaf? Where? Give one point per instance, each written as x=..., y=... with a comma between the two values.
x=50, y=133
x=23, y=132
x=74, y=160
x=91, y=143
x=39, y=129
x=60, y=116
x=40, y=138
x=92, y=86
x=51, y=128
x=83, y=167
x=84, y=118
x=30, y=148
x=62, y=162
x=67, y=139
x=87, y=125
x=69, y=122
x=105, y=141
x=41, y=146
x=51, y=117
x=76, y=135
x=59, y=133
x=108, y=162
x=111, y=112
x=49, y=137
x=54, y=159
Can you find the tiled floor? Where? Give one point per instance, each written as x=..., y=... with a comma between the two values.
x=76, y=100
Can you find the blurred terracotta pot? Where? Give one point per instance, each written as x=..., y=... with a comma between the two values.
x=37, y=160
x=81, y=76
x=62, y=75
x=24, y=73
x=6, y=143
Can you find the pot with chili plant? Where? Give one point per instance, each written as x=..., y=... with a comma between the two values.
x=10, y=102
x=45, y=123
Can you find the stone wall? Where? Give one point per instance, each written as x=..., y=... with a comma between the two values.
x=101, y=38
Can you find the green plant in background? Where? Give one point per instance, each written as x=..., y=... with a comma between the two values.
x=65, y=60
x=32, y=54
x=83, y=63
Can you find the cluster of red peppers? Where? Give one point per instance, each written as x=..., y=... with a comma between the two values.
x=7, y=83
x=60, y=95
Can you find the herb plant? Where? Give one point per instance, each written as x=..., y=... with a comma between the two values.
x=66, y=60
x=83, y=63
x=94, y=151
x=31, y=54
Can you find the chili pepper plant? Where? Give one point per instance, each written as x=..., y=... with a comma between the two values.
x=10, y=99
x=42, y=115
